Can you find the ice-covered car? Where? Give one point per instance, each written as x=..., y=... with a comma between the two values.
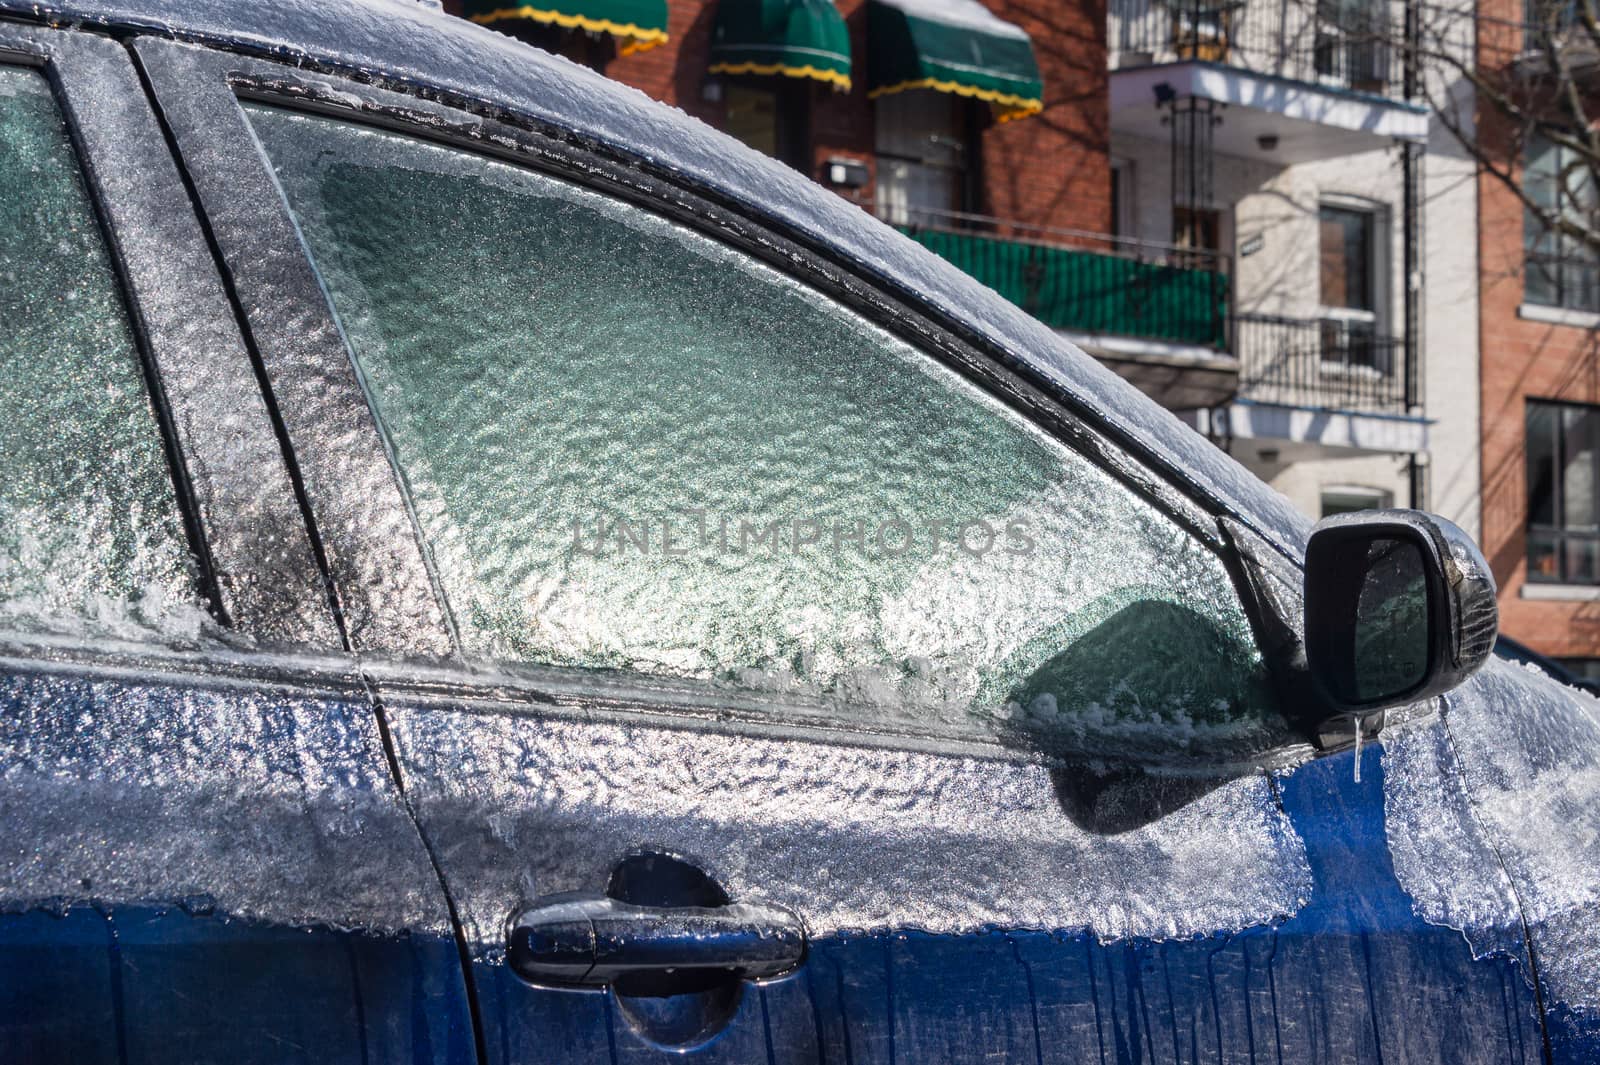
x=492, y=570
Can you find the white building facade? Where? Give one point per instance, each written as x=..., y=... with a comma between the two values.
x=1287, y=147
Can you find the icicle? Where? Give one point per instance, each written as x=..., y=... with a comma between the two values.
x=1358, y=748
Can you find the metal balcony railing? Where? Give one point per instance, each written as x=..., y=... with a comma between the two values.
x=1346, y=44
x=1334, y=363
x=1079, y=281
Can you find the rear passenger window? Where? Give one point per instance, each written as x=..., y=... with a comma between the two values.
x=91, y=541
x=629, y=447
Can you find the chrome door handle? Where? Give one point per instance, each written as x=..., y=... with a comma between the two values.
x=588, y=940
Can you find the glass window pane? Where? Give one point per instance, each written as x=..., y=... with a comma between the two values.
x=630, y=447
x=1578, y=426
x=1541, y=449
x=1346, y=258
x=90, y=536
x=1544, y=560
x=753, y=117
x=1582, y=561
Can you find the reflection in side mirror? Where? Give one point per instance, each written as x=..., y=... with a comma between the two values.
x=1400, y=606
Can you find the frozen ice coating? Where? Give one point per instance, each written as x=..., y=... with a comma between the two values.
x=631, y=447
x=850, y=838
x=1442, y=857
x=90, y=538
x=402, y=44
x=256, y=803
x=957, y=13
x=1529, y=750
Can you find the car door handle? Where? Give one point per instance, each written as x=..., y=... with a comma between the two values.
x=588, y=940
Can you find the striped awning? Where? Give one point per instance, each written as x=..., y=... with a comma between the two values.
x=792, y=38
x=637, y=24
x=955, y=46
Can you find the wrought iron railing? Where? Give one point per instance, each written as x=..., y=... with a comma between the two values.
x=1333, y=363
x=1348, y=44
x=1080, y=281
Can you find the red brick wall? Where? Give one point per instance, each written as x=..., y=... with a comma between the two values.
x=1050, y=169
x=1521, y=359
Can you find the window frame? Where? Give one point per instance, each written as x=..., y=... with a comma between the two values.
x=231, y=486
x=1558, y=530
x=1559, y=268
x=376, y=551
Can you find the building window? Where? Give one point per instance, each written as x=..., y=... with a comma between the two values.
x=773, y=118
x=1345, y=499
x=1560, y=270
x=1352, y=43
x=927, y=156
x=1563, y=521
x=1348, y=249
x=1122, y=198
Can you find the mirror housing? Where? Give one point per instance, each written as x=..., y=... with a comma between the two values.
x=1399, y=606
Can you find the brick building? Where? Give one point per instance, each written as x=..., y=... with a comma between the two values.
x=1049, y=168
x=1540, y=298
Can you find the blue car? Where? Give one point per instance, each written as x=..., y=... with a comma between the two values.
x=494, y=571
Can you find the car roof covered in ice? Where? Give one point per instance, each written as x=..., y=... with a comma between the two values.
x=401, y=43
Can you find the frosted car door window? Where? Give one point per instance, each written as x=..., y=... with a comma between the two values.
x=91, y=540
x=630, y=447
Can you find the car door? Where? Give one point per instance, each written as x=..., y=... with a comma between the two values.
x=203, y=856
x=716, y=597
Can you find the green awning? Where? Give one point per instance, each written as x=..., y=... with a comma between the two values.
x=954, y=46
x=638, y=24
x=795, y=38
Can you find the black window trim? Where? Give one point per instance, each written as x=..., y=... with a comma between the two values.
x=422, y=658
x=1558, y=531
x=217, y=444
x=1560, y=267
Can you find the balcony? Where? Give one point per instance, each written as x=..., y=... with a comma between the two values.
x=1328, y=364
x=1083, y=282
x=1319, y=383
x=1340, y=45
x=1314, y=79
x=1156, y=313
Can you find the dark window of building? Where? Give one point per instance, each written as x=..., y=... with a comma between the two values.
x=1346, y=258
x=1563, y=519
x=1560, y=270
x=1122, y=198
x=772, y=117
x=1552, y=16
x=1352, y=43
x=1197, y=229
x=1348, y=248
x=927, y=156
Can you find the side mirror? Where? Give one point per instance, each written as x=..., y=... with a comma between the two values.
x=1400, y=605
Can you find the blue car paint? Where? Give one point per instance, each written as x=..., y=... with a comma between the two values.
x=169, y=977
x=1355, y=975
x=127, y=984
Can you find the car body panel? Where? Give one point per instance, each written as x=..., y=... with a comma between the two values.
x=951, y=917
x=205, y=868
x=1527, y=751
x=965, y=908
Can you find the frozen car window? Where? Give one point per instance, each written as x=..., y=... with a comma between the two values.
x=90, y=535
x=630, y=447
